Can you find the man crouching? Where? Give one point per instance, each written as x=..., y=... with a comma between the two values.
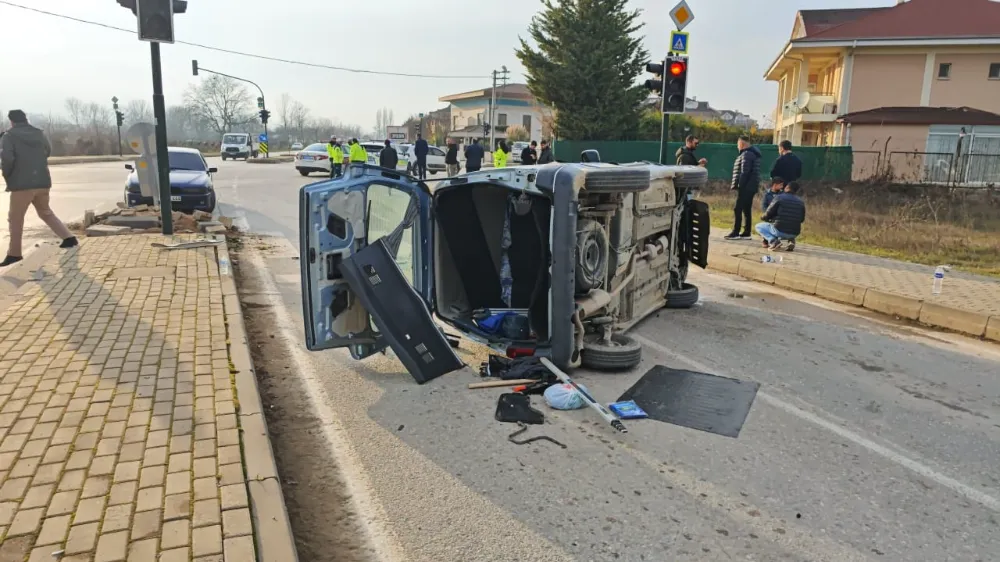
x=783, y=219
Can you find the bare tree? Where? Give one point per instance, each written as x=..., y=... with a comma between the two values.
x=137, y=111
x=77, y=112
x=298, y=118
x=284, y=111
x=222, y=102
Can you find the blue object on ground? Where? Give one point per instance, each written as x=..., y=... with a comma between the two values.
x=564, y=397
x=628, y=410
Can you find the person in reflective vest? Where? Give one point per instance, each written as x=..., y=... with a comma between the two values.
x=336, y=158
x=500, y=155
x=357, y=153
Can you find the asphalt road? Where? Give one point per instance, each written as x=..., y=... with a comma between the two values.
x=869, y=440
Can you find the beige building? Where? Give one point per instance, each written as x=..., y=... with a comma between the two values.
x=515, y=105
x=931, y=54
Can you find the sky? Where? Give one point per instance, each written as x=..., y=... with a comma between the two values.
x=47, y=59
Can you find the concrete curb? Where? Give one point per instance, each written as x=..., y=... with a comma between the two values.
x=273, y=530
x=272, y=160
x=928, y=313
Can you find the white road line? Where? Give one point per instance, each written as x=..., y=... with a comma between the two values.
x=969, y=492
x=355, y=479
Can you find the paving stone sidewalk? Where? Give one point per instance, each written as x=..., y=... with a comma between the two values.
x=972, y=293
x=119, y=436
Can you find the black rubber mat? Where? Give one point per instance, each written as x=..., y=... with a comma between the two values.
x=695, y=400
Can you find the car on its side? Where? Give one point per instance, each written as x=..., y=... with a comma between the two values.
x=313, y=158
x=557, y=260
x=191, y=187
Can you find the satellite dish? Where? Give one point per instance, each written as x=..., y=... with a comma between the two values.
x=803, y=101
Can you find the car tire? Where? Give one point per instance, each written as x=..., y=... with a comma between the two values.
x=591, y=255
x=685, y=297
x=223, y=157
x=693, y=177
x=304, y=172
x=621, y=354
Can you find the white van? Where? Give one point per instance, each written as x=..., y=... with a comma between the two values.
x=236, y=145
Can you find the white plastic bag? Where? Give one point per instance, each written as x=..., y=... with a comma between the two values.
x=564, y=397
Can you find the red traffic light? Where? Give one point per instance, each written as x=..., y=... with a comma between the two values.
x=677, y=68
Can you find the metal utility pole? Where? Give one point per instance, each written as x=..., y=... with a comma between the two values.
x=119, y=119
x=196, y=68
x=502, y=75
x=162, y=152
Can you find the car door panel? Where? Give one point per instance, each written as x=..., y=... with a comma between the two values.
x=400, y=313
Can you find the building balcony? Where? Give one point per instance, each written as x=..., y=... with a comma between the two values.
x=810, y=108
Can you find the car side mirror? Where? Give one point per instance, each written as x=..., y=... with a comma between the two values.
x=129, y=167
x=213, y=170
x=590, y=155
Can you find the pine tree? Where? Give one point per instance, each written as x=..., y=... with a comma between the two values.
x=585, y=66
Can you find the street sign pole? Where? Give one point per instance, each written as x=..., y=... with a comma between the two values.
x=162, y=156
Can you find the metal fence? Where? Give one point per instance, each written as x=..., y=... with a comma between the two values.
x=818, y=162
x=943, y=168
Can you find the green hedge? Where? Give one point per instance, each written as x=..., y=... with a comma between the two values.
x=818, y=162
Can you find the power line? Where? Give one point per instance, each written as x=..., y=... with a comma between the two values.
x=241, y=53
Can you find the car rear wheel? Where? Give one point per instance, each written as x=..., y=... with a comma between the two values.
x=304, y=172
x=619, y=354
x=685, y=297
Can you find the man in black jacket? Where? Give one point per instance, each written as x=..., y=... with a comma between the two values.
x=783, y=219
x=528, y=155
x=420, y=150
x=451, y=158
x=388, y=157
x=545, y=156
x=474, y=154
x=746, y=182
x=686, y=156
x=788, y=166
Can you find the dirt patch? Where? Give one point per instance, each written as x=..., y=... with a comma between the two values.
x=319, y=507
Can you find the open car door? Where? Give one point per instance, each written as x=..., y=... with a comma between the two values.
x=367, y=276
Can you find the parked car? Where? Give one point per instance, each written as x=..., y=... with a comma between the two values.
x=594, y=249
x=435, y=159
x=313, y=158
x=515, y=151
x=191, y=187
x=296, y=146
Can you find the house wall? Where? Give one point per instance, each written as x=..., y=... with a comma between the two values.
x=968, y=84
x=886, y=81
x=515, y=110
x=886, y=139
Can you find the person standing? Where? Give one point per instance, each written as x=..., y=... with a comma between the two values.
x=545, y=156
x=474, y=155
x=24, y=162
x=529, y=156
x=788, y=166
x=500, y=155
x=336, y=154
x=746, y=180
x=686, y=155
x=420, y=150
x=358, y=154
x=388, y=157
x=451, y=158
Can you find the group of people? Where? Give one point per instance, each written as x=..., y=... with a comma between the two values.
x=784, y=211
x=24, y=159
x=356, y=154
x=475, y=153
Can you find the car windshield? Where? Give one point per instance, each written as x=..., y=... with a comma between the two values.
x=317, y=147
x=234, y=139
x=186, y=161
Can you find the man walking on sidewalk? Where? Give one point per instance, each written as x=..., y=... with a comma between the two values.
x=451, y=158
x=24, y=158
x=746, y=181
x=420, y=150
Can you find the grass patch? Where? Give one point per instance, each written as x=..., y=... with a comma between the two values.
x=922, y=224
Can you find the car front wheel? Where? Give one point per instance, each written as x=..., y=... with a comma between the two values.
x=619, y=354
x=685, y=297
x=304, y=172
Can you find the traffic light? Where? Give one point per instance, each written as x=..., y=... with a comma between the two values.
x=120, y=117
x=194, y=67
x=486, y=129
x=675, y=85
x=655, y=84
x=156, y=19
x=420, y=127
x=264, y=115
x=180, y=6
x=260, y=103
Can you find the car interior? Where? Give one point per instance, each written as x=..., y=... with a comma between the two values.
x=469, y=252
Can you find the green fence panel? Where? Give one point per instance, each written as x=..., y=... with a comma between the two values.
x=818, y=162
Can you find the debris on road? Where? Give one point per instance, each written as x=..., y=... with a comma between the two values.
x=146, y=219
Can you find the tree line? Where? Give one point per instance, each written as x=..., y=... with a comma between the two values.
x=209, y=109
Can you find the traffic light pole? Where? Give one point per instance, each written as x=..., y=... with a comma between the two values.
x=259, y=89
x=664, y=138
x=162, y=154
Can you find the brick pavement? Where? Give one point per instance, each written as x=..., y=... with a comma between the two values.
x=119, y=436
x=973, y=293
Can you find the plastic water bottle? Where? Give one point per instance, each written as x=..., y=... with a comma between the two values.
x=223, y=266
x=938, y=279
x=771, y=259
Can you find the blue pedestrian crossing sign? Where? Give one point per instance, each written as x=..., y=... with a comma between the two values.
x=262, y=138
x=678, y=42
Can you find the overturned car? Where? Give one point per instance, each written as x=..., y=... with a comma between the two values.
x=558, y=260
